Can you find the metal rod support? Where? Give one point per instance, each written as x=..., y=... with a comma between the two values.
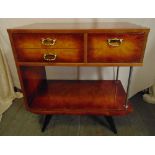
x=117, y=75
x=128, y=86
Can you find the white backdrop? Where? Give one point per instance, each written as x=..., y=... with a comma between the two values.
x=142, y=78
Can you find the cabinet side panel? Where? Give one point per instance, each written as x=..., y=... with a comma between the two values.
x=34, y=79
x=30, y=77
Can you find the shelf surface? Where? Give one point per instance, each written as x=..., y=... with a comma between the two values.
x=81, y=26
x=81, y=97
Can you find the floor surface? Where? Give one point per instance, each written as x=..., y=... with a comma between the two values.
x=17, y=121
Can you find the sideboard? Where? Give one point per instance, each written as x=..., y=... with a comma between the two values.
x=84, y=44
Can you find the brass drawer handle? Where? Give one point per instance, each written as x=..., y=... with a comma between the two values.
x=48, y=41
x=50, y=57
x=115, y=42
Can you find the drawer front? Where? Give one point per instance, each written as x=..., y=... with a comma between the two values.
x=116, y=47
x=47, y=40
x=50, y=55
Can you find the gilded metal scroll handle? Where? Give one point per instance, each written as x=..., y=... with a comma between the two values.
x=48, y=41
x=50, y=57
x=115, y=42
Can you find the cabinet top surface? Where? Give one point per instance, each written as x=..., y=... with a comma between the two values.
x=81, y=26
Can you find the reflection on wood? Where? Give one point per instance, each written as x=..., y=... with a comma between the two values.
x=81, y=97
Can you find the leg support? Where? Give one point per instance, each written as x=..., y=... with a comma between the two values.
x=46, y=122
x=111, y=123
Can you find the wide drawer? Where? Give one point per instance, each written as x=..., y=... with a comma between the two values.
x=110, y=48
x=50, y=55
x=48, y=40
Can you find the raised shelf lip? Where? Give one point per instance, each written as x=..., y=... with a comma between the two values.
x=81, y=112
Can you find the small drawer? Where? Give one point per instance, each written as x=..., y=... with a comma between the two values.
x=111, y=48
x=48, y=40
x=50, y=55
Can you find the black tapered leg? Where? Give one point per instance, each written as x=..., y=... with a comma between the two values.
x=111, y=123
x=46, y=122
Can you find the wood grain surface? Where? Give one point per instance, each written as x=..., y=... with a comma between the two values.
x=83, y=44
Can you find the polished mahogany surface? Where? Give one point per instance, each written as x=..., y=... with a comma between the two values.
x=32, y=79
x=81, y=97
x=81, y=44
x=129, y=50
x=42, y=96
x=83, y=26
x=62, y=55
x=84, y=44
x=63, y=41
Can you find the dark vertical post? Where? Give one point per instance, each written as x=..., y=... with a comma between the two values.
x=117, y=75
x=111, y=123
x=46, y=122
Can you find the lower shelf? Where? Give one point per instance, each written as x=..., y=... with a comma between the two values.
x=103, y=97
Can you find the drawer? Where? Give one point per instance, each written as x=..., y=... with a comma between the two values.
x=107, y=47
x=50, y=55
x=48, y=40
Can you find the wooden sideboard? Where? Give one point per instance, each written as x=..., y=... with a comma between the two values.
x=84, y=44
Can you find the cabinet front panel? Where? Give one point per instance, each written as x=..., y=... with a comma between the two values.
x=50, y=55
x=121, y=48
x=47, y=40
